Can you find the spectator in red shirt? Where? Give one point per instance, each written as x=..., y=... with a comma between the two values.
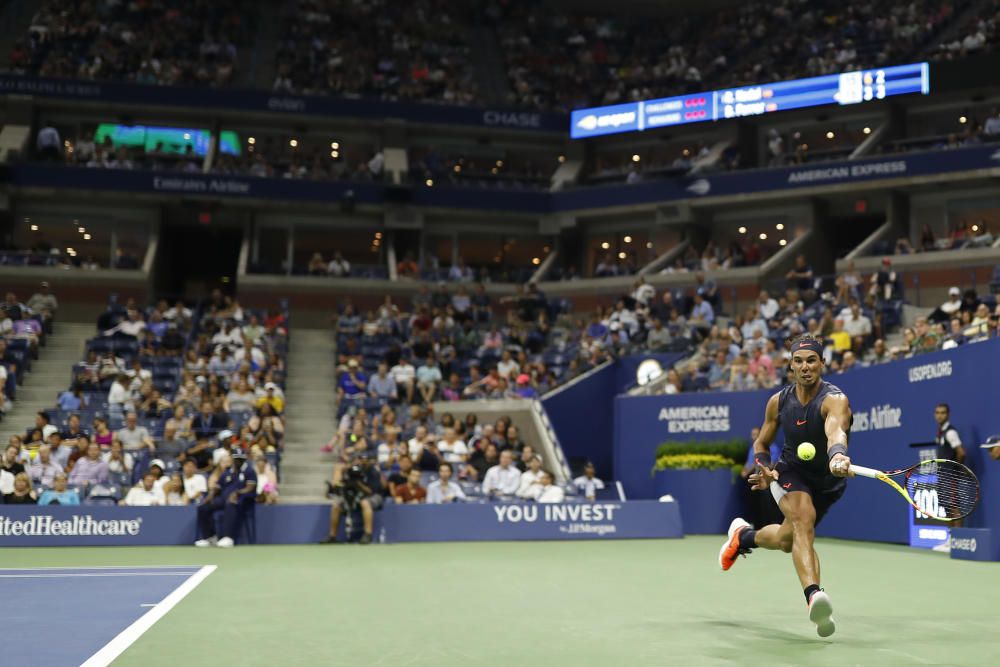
x=411, y=493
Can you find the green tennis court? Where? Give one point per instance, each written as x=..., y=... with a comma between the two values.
x=612, y=604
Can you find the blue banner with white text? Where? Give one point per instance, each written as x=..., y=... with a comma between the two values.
x=30, y=525
x=893, y=406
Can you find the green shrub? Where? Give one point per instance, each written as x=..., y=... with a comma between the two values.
x=695, y=462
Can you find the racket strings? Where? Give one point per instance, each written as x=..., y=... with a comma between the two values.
x=943, y=489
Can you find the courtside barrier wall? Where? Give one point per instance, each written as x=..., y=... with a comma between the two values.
x=893, y=406
x=304, y=524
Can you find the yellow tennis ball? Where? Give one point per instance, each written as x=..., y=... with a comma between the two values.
x=806, y=451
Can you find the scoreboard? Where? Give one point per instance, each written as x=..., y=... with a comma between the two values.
x=844, y=89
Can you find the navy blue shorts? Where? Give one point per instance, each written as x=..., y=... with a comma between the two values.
x=823, y=493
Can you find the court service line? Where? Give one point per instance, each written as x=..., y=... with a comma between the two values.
x=131, y=634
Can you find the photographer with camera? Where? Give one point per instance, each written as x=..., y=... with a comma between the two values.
x=359, y=487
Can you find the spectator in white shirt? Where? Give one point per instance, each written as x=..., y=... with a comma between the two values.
x=403, y=374
x=503, y=479
x=992, y=126
x=195, y=485
x=588, y=484
x=443, y=490
x=857, y=325
x=452, y=448
x=49, y=143
x=643, y=292
x=550, y=493
x=531, y=479
x=507, y=368
x=338, y=266
x=119, y=397
x=767, y=307
x=133, y=326
x=145, y=494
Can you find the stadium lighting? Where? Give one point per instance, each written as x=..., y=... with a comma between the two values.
x=562, y=158
x=605, y=245
x=649, y=245
x=627, y=239
x=635, y=158
x=867, y=130
x=621, y=255
x=830, y=135
x=86, y=237
x=743, y=230
x=963, y=120
x=251, y=140
x=293, y=143
x=763, y=236
x=334, y=154
x=779, y=226
x=975, y=228
x=187, y=136
x=536, y=261
x=686, y=152
x=429, y=182
x=34, y=228
x=82, y=230
x=499, y=163
x=457, y=168
x=378, y=235
x=335, y=145
x=782, y=242
x=376, y=243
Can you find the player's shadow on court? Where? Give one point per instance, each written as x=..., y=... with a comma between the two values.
x=765, y=633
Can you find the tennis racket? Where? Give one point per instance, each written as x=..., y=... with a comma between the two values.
x=936, y=488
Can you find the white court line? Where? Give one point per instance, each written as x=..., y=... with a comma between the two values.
x=131, y=634
x=107, y=567
x=96, y=574
x=148, y=604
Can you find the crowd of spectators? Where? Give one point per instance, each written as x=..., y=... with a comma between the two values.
x=564, y=61
x=169, y=400
x=23, y=330
x=188, y=42
x=379, y=49
x=978, y=33
x=430, y=167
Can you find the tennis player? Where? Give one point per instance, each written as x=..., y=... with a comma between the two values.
x=808, y=410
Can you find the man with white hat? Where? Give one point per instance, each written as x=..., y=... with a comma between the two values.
x=946, y=310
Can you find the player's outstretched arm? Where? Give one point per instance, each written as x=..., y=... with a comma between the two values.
x=837, y=423
x=765, y=474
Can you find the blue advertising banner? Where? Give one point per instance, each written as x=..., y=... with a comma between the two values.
x=30, y=525
x=523, y=521
x=242, y=100
x=974, y=544
x=893, y=407
x=784, y=178
x=509, y=199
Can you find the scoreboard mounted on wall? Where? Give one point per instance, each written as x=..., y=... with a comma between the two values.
x=844, y=89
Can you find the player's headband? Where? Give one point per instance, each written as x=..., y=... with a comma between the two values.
x=808, y=345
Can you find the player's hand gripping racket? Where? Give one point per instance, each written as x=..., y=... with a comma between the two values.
x=937, y=488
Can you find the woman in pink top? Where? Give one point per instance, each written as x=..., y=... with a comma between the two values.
x=102, y=434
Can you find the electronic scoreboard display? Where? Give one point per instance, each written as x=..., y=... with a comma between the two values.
x=848, y=88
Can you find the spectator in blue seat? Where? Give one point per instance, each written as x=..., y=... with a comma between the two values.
x=719, y=371
x=349, y=323
x=72, y=399
x=504, y=478
x=60, y=493
x=443, y=490
x=236, y=485
x=482, y=305
x=800, y=276
x=352, y=382
x=73, y=431
x=382, y=385
x=90, y=469
x=588, y=484
x=223, y=364
x=44, y=468
x=524, y=388
x=702, y=314
x=428, y=378
x=135, y=436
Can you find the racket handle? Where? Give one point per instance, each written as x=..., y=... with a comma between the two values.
x=865, y=472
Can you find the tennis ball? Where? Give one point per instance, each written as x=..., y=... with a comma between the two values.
x=806, y=451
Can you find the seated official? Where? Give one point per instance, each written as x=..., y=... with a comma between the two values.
x=236, y=486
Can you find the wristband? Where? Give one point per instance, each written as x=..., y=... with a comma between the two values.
x=762, y=459
x=836, y=449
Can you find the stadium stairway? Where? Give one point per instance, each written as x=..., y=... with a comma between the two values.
x=49, y=376
x=311, y=415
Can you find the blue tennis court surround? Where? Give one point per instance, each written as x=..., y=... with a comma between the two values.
x=86, y=616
